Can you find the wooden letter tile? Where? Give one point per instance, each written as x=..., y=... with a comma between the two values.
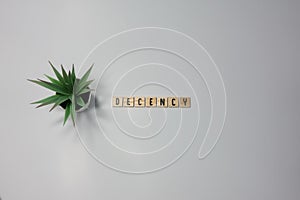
x=162, y=102
x=151, y=101
x=173, y=102
x=128, y=101
x=117, y=102
x=139, y=101
x=185, y=102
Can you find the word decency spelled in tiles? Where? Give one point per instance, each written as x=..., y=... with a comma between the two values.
x=151, y=102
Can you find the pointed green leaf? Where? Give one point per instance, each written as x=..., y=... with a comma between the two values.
x=41, y=105
x=75, y=86
x=58, y=75
x=60, y=100
x=65, y=76
x=67, y=113
x=73, y=111
x=70, y=78
x=54, y=106
x=86, y=90
x=73, y=74
x=58, y=83
x=53, y=80
x=58, y=88
x=80, y=102
x=51, y=86
x=83, y=86
x=48, y=100
x=86, y=75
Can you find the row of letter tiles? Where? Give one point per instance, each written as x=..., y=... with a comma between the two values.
x=163, y=102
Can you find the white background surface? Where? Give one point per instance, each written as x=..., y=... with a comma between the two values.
x=254, y=43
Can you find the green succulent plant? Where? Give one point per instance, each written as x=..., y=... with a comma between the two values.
x=68, y=89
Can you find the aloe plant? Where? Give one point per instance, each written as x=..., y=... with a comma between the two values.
x=68, y=89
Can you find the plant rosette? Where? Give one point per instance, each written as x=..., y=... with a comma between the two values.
x=71, y=93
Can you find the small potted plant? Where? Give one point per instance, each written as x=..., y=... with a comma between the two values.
x=71, y=93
